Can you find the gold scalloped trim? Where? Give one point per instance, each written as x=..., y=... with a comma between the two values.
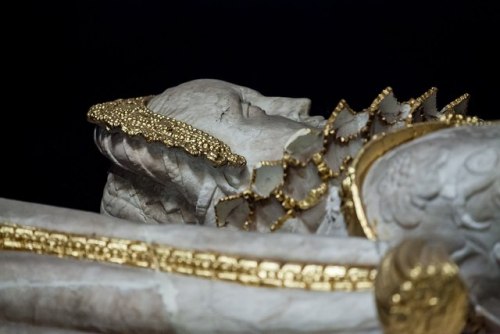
x=253, y=178
x=282, y=220
x=375, y=106
x=412, y=103
x=229, y=198
x=291, y=205
x=380, y=97
x=417, y=103
x=424, y=97
x=133, y=118
x=189, y=262
x=356, y=222
x=450, y=107
x=330, y=133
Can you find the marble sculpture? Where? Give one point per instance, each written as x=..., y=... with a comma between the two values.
x=228, y=211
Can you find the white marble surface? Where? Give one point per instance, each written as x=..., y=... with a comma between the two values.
x=447, y=185
x=103, y=298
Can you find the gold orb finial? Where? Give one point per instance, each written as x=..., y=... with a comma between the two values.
x=418, y=290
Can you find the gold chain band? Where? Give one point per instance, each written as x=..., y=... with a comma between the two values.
x=247, y=271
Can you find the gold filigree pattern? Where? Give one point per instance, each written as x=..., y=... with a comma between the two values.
x=132, y=117
x=210, y=265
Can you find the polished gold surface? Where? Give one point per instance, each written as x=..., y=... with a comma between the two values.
x=133, y=118
x=352, y=207
x=216, y=266
x=418, y=290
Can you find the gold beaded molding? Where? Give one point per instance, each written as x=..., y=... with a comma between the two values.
x=216, y=266
x=132, y=117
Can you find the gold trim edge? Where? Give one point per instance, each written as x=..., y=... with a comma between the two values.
x=201, y=264
x=352, y=205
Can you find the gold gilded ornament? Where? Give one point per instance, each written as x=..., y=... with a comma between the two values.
x=418, y=290
x=133, y=118
x=203, y=264
x=415, y=118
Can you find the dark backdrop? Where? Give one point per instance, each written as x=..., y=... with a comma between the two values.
x=67, y=57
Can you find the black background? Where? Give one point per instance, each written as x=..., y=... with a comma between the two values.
x=67, y=57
